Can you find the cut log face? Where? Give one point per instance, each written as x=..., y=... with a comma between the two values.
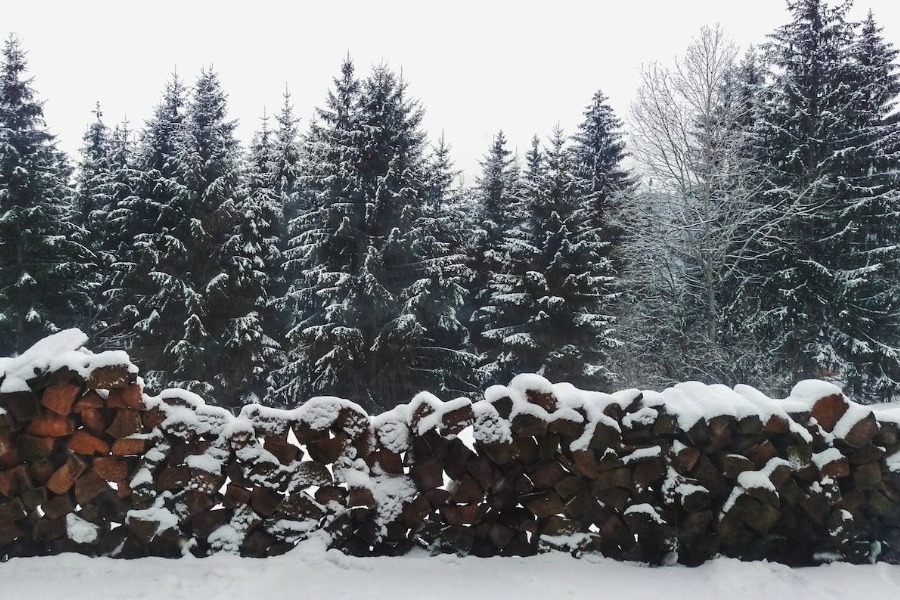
x=49, y=424
x=126, y=396
x=127, y=422
x=68, y=473
x=110, y=377
x=829, y=410
x=60, y=398
x=83, y=442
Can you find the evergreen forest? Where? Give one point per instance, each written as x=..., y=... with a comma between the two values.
x=740, y=225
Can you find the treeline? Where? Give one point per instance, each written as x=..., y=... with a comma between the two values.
x=755, y=239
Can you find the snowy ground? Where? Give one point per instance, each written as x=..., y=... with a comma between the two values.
x=310, y=572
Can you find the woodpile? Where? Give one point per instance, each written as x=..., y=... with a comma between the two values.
x=89, y=464
x=68, y=445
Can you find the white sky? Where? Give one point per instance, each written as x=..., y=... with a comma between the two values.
x=477, y=66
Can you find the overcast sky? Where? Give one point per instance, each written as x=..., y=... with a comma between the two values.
x=477, y=66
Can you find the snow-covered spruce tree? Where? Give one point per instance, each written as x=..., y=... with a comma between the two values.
x=194, y=276
x=866, y=317
x=549, y=305
x=148, y=220
x=261, y=235
x=361, y=247
x=230, y=241
x=598, y=153
x=117, y=244
x=92, y=203
x=286, y=165
x=45, y=278
x=801, y=133
x=440, y=292
x=825, y=140
x=321, y=248
x=496, y=210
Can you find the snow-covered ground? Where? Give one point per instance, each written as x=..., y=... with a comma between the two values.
x=311, y=572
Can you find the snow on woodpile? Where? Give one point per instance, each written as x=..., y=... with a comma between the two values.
x=88, y=463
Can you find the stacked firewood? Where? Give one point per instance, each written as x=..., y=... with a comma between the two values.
x=90, y=464
x=68, y=445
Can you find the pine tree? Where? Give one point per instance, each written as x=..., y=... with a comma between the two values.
x=117, y=243
x=261, y=238
x=195, y=276
x=147, y=220
x=599, y=153
x=821, y=297
x=321, y=250
x=44, y=270
x=497, y=210
x=92, y=204
x=548, y=311
x=369, y=275
x=865, y=326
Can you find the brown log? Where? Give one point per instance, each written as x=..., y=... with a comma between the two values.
x=610, y=478
x=65, y=477
x=89, y=486
x=126, y=422
x=284, y=451
x=467, y=490
x=828, y=411
x=299, y=506
x=500, y=453
x=7, y=423
x=130, y=396
x=24, y=406
x=330, y=493
x=454, y=421
x=427, y=474
x=10, y=531
x=49, y=424
x=616, y=497
x=15, y=481
x=586, y=463
x=33, y=498
x=47, y=529
x=207, y=522
x=327, y=450
x=197, y=502
x=570, y=487
x=60, y=397
x=110, y=377
x=94, y=420
x=111, y=468
x=41, y=470
x=868, y=477
x=173, y=478
x=9, y=457
x=83, y=442
x=546, y=476
x=91, y=399
x=58, y=506
x=358, y=496
x=129, y=447
x=12, y=510
x=862, y=432
x=463, y=514
x=545, y=505
x=526, y=425
x=263, y=501
x=236, y=495
x=390, y=462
